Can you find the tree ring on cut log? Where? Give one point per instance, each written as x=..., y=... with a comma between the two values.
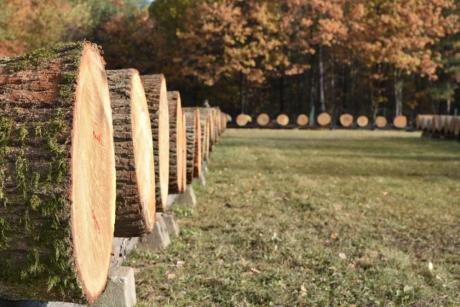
x=346, y=120
x=157, y=100
x=400, y=122
x=362, y=121
x=263, y=119
x=93, y=175
x=380, y=122
x=324, y=119
x=282, y=120
x=302, y=120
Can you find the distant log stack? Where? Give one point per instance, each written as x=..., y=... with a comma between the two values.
x=324, y=119
x=157, y=101
x=446, y=126
x=282, y=120
x=400, y=122
x=184, y=149
x=135, y=213
x=224, y=121
x=194, y=145
x=263, y=119
x=302, y=120
x=346, y=120
x=176, y=180
x=205, y=134
x=362, y=121
x=380, y=122
x=57, y=175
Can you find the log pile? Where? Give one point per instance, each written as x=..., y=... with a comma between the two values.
x=86, y=154
x=439, y=126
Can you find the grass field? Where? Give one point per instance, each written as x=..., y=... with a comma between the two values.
x=318, y=218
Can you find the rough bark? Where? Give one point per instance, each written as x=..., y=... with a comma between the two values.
x=194, y=145
x=157, y=101
x=135, y=214
x=45, y=252
x=175, y=143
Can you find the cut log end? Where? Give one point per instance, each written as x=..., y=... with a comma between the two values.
x=93, y=175
x=243, y=119
x=282, y=120
x=176, y=143
x=346, y=120
x=302, y=120
x=324, y=119
x=400, y=122
x=263, y=119
x=362, y=121
x=380, y=122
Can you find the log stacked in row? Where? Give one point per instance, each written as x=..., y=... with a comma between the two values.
x=86, y=154
x=323, y=120
x=447, y=126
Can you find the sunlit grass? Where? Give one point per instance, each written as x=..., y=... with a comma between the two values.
x=316, y=218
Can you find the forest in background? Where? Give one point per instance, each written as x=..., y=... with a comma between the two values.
x=369, y=57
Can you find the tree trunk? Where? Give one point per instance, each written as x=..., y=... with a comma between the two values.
x=321, y=81
x=135, y=214
x=398, y=88
x=176, y=180
x=157, y=101
x=57, y=175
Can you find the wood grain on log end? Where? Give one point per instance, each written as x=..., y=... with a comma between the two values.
x=302, y=120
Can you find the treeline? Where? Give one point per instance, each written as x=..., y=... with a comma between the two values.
x=370, y=57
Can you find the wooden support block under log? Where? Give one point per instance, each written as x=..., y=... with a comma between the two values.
x=400, y=122
x=282, y=120
x=57, y=175
x=176, y=180
x=157, y=101
x=302, y=120
x=194, y=146
x=380, y=122
x=135, y=213
x=362, y=121
x=324, y=119
x=263, y=119
x=346, y=120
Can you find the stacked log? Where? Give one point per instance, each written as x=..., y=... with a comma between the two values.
x=346, y=120
x=157, y=101
x=176, y=180
x=263, y=119
x=324, y=119
x=194, y=145
x=302, y=120
x=135, y=211
x=362, y=121
x=57, y=175
x=380, y=122
x=282, y=120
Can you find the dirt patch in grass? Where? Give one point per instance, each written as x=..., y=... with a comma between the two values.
x=316, y=218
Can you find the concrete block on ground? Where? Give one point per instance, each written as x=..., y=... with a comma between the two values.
x=202, y=179
x=121, y=248
x=171, y=200
x=120, y=290
x=186, y=199
x=171, y=225
x=159, y=238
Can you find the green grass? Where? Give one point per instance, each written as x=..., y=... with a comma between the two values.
x=316, y=218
